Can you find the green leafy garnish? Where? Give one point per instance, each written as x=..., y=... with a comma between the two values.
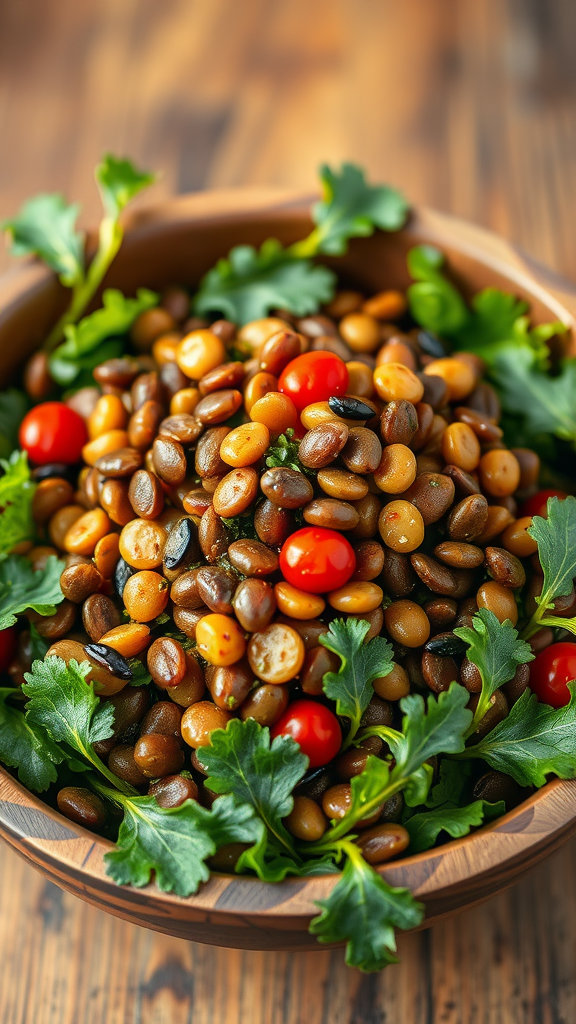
x=364, y=911
x=545, y=404
x=495, y=328
x=250, y=282
x=22, y=588
x=65, y=705
x=241, y=526
x=496, y=650
x=13, y=407
x=556, y=539
x=532, y=742
x=46, y=226
x=425, y=827
x=284, y=452
x=26, y=746
x=16, y=493
x=351, y=687
x=87, y=343
x=174, y=842
x=350, y=208
x=241, y=760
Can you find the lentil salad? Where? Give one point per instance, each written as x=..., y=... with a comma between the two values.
x=246, y=552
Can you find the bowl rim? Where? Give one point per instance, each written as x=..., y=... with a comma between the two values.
x=507, y=846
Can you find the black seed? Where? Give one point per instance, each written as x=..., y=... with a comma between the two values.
x=110, y=659
x=432, y=345
x=122, y=574
x=447, y=645
x=181, y=536
x=351, y=408
x=59, y=469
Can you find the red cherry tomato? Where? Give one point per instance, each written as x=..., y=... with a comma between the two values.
x=313, y=377
x=536, y=505
x=52, y=432
x=317, y=560
x=8, y=645
x=314, y=727
x=550, y=671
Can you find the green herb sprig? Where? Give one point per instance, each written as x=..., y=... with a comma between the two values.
x=46, y=227
x=249, y=282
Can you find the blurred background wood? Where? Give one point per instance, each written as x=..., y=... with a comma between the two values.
x=468, y=105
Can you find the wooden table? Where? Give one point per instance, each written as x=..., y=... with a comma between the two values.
x=469, y=105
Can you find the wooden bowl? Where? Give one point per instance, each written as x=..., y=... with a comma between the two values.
x=177, y=242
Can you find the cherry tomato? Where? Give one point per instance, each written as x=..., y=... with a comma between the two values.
x=52, y=432
x=317, y=560
x=313, y=377
x=550, y=671
x=8, y=644
x=314, y=727
x=536, y=505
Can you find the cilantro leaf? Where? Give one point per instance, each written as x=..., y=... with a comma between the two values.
x=13, y=407
x=532, y=742
x=453, y=782
x=363, y=910
x=241, y=526
x=434, y=302
x=65, y=705
x=241, y=760
x=45, y=227
x=496, y=650
x=251, y=282
x=351, y=687
x=437, y=729
x=26, y=746
x=22, y=588
x=119, y=182
x=350, y=208
x=546, y=404
x=174, y=842
x=83, y=348
x=16, y=493
x=425, y=827
x=494, y=318
x=556, y=539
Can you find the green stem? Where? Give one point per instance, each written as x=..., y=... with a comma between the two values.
x=116, y=797
x=110, y=239
x=347, y=823
x=99, y=765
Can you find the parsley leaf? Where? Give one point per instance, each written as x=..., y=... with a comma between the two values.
x=534, y=741
x=284, y=452
x=174, y=842
x=437, y=729
x=16, y=492
x=119, y=182
x=241, y=526
x=556, y=539
x=351, y=687
x=434, y=302
x=350, y=208
x=22, y=588
x=45, y=227
x=26, y=746
x=83, y=348
x=496, y=650
x=364, y=910
x=250, y=282
x=65, y=705
x=425, y=827
x=546, y=404
x=241, y=760
x=13, y=407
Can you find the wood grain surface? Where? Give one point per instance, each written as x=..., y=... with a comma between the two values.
x=469, y=106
